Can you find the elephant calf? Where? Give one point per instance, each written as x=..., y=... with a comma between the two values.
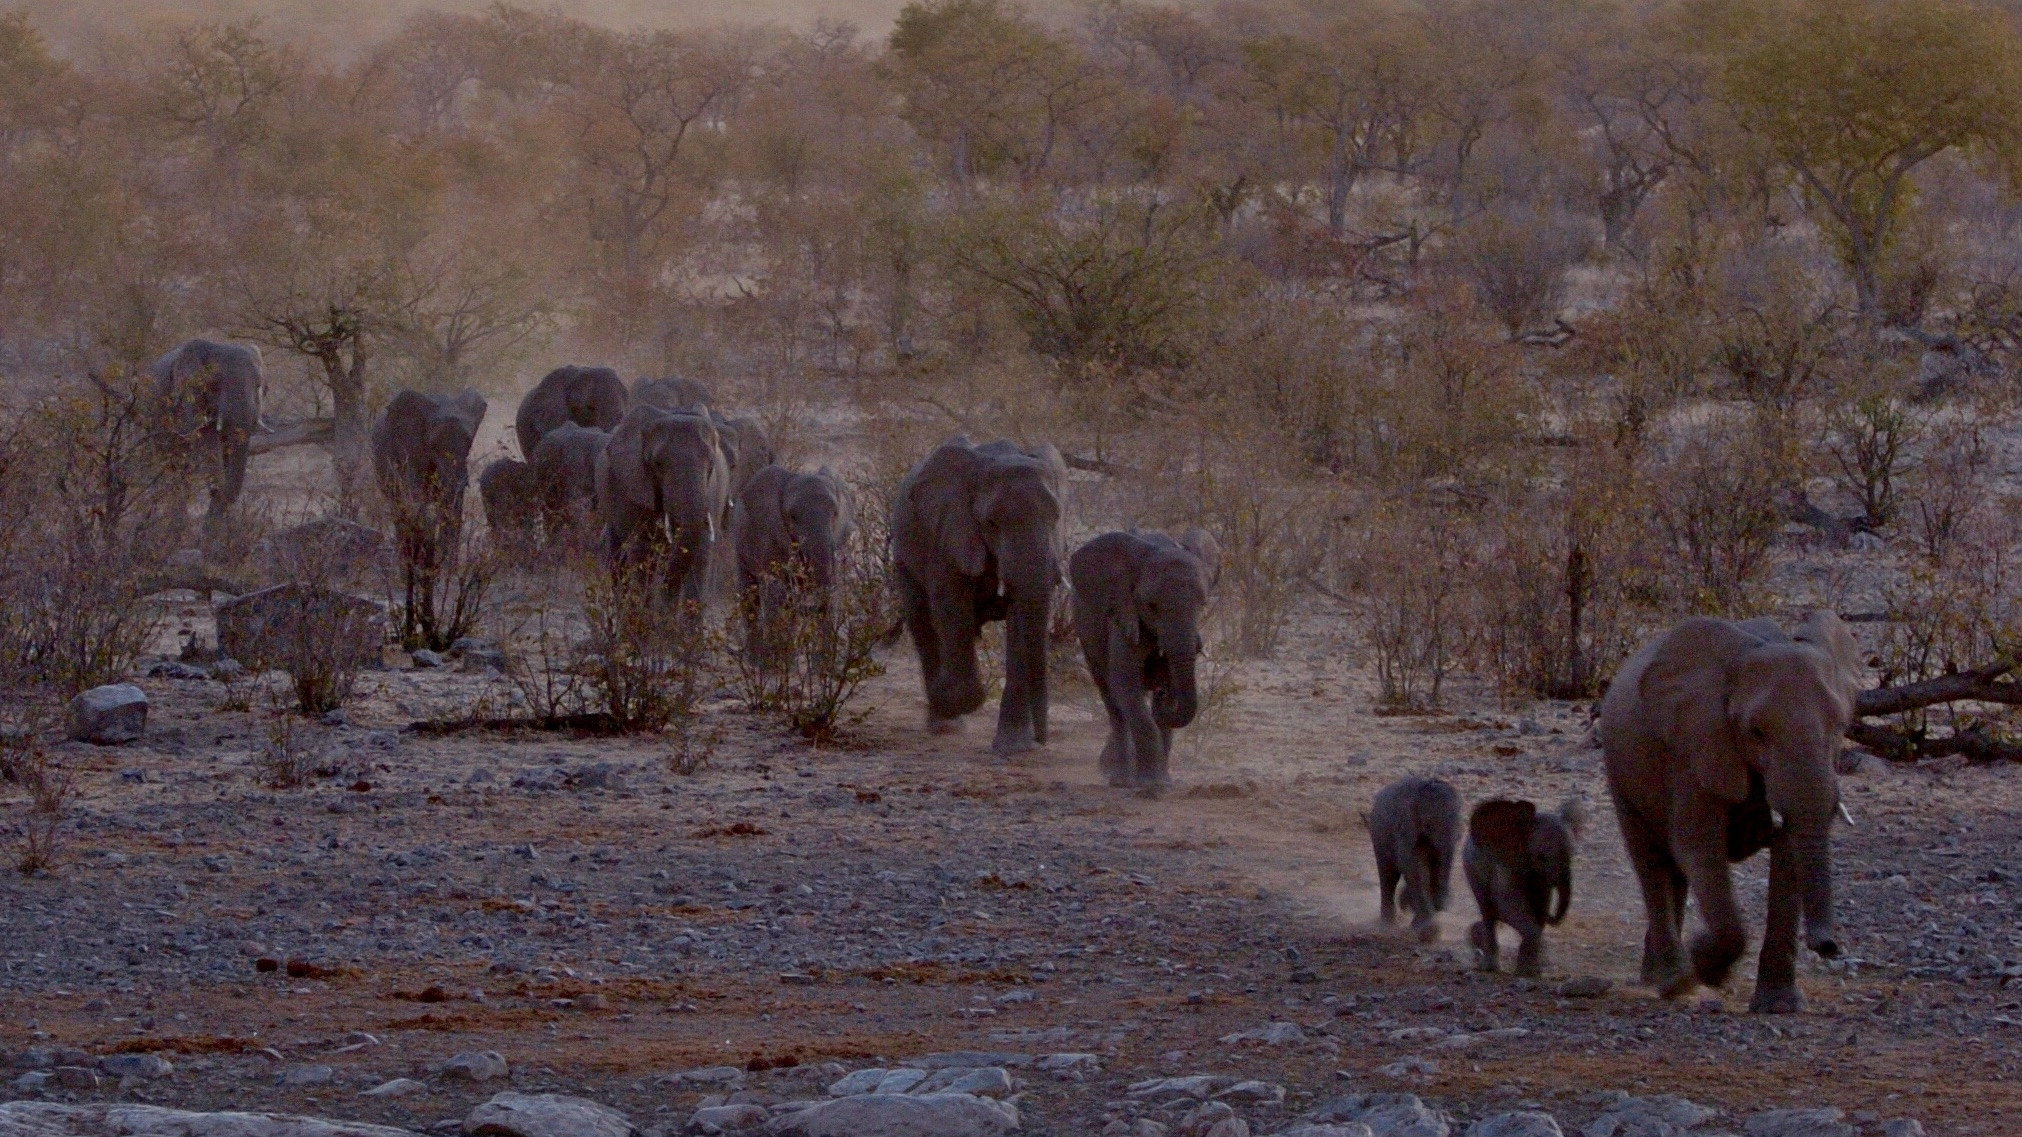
x=511, y=499
x=1138, y=599
x=1414, y=826
x=564, y=466
x=1520, y=865
x=791, y=532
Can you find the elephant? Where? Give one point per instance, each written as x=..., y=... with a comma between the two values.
x=1719, y=740
x=421, y=453
x=211, y=392
x=671, y=394
x=587, y=396
x=1414, y=826
x=564, y=468
x=791, y=536
x=976, y=538
x=1519, y=863
x=1138, y=599
x=662, y=478
x=511, y=497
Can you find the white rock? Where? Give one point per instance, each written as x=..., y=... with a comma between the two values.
x=899, y=1115
x=48, y=1119
x=987, y=1081
x=475, y=1066
x=1664, y=1115
x=726, y=1119
x=1799, y=1123
x=397, y=1088
x=1388, y=1115
x=1060, y=1063
x=1523, y=1123
x=1271, y=1034
x=306, y=1076
x=545, y=1115
x=1191, y=1085
x=1903, y=1127
x=109, y=715
x=1253, y=1093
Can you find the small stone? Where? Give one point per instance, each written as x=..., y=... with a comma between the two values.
x=475, y=1066
x=146, y=1067
x=984, y=1081
x=1334, y=1129
x=590, y=1001
x=1903, y=1127
x=898, y=1115
x=704, y=1076
x=397, y=1088
x=1799, y=1123
x=426, y=660
x=1584, y=987
x=76, y=1078
x=1253, y=1093
x=1203, y=1118
x=1068, y=1063
x=545, y=1115
x=1272, y=1034
x=306, y=1076
x=1523, y=1123
x=109, y=715
x=715, y=1119
x=33, y=1081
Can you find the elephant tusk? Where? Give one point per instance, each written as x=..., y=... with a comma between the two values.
x=1775, y=819
x=1843, y=813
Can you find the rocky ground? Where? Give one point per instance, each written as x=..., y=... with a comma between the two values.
x=748, y=934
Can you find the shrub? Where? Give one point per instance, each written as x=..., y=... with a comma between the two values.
x=1715, y=501
x=1949, y=488
x=1869, y=441
x=1417, y=562
x=1516, y=258
x=647, y=661
x=542, y=661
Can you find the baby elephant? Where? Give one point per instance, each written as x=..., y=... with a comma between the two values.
x=1414, y=826
x=1520, y=865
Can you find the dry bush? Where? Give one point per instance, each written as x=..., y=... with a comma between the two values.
x=1568, y=586
x=446, y=581
x=1954, y=614
x=288, y=760
x=813, y=659
x=1780, y=330
x=542, y=661
x=1299, y=363
x=95, y=502
x=646, y=660
x=1516, y=258
x=1870, y=439
x=1716, y=501
x=25, y=759
x=1417, y=561
x=1949, y=489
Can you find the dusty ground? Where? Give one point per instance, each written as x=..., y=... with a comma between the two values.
x=923, y=896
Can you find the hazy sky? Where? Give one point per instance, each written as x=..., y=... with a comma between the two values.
x=341, y=25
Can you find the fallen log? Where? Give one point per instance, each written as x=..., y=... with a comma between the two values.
x=1979, y=745
x=1982, y=685
x=304, y=433
x=1978, y=742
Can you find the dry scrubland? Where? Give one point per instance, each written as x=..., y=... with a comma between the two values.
x=1487, y=338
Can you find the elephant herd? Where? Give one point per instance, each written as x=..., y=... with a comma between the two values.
x=1719, y=739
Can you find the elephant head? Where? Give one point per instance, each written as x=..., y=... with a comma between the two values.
x=592, y=397
x=421, y=447
x=211, y=392
x=1168, y=596
x=1755, y=713
x=672, y=393
x=662, y=472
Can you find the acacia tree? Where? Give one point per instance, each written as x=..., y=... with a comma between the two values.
x=1852, y=96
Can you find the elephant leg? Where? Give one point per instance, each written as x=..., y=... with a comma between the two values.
x=1126, y=684
x=1510, y=906
x=1387, y=877
x=233, y=448
x=1663, y=889
x=1482, y=934
x=1724, y=938
x=954, y=688
x=1776, y=990
x=1418, y=896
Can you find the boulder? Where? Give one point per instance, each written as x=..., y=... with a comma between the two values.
x=899, y=1115
x=475, y=1066
x=1523, y=1123
x=1665, y=1115
x=984, y=1081
x=711, y=1120
x=1387, y=1115
x=545, y=1115
x=1799, y=1123
x=146, y=1067
x=271, y=627
x=49, y=1119
x=330, y=552
x=109, y=715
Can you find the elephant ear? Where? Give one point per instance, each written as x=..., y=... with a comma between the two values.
x=1206, y=550
x=944, y=494
x=469, y=407
x=1504, y=829
x=1684, y=689
x=1824, y=631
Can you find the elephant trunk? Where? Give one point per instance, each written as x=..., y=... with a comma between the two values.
x=1175, y=704
x=1813, y=847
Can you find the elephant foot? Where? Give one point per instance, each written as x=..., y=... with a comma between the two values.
x=1427, y=931
x=1017, y=742
x=1530, y=964
x=1776, y=1000
x=1152, y=791
x=1713, y=953
x=1482, y=937
x=1677, y=986
x=936, y=725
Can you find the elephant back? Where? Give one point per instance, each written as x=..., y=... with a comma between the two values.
x=587, y=396
x=672, y=393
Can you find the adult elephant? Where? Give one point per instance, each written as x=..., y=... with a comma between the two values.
x=565, y=471
x=662, y=484
x=210, y=392
x=1138, y=599
x=587, y=396
x=1719, y=740
x=975, y=539
x=792, y=529
x=421, y=453
x=672, y=393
